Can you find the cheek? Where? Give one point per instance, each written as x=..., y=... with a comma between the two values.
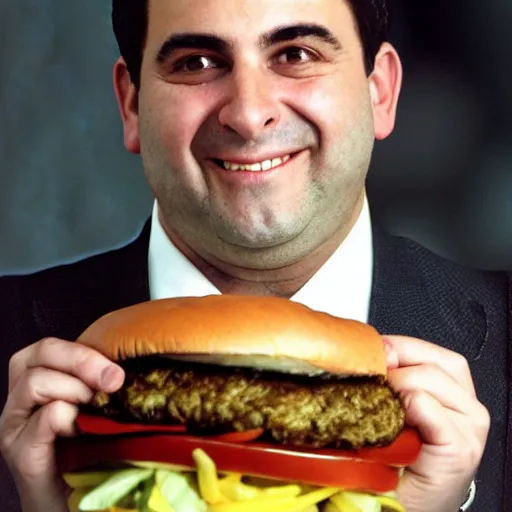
x=168, y=126
x=333, y=107
x=172, y=116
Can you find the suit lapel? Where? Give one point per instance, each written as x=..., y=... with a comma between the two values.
x=409, y=299
x=392, y=296
x=84, y=291
x=507, y=501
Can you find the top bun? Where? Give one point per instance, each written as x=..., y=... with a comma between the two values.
x=266, y=333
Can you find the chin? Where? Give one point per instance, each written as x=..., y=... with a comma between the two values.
x=259, y=235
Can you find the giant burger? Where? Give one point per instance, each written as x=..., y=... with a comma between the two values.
x=238, y=404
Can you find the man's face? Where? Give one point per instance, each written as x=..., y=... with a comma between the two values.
x=226, y=83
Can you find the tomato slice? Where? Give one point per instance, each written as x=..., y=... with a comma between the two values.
x=99, y=425
x=267, y=461
x=239, y=437
x=402, y=452
x=90, y=424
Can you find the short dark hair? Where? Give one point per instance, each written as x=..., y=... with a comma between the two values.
x=130, y=22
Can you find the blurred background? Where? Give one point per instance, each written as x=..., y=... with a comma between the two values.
x=69, y=189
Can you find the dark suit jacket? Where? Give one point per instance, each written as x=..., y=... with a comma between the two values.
x=414, y=293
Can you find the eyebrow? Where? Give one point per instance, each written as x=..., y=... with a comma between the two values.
x=289, y=33
x=187, y=41
x=219, y=45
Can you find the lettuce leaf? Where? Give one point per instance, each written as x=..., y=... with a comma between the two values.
x=180, y=491
x=113, y=490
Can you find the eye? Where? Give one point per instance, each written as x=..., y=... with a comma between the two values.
x=196, y=69
x=196, y=63
x=295, y=55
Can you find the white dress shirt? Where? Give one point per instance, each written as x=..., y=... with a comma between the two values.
x=341, y=287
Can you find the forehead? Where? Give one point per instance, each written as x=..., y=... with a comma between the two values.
x=245, y=20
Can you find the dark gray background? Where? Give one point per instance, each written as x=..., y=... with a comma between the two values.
x=68, y=188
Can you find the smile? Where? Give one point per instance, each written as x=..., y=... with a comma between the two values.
x=265, y=165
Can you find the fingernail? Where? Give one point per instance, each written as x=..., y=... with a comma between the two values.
x=111, y=378
x=391, y=355
x=387, y=344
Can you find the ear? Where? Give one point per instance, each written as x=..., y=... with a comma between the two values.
x=128, y=101
x=385, y=83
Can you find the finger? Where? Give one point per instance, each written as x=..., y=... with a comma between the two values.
x=442, y=438
x=434, y=381
x=41, y=386
x=56, y=419
x=33, y=449
x=34, y=454
x=426, y=414
x=413, y=352
x=91, y=367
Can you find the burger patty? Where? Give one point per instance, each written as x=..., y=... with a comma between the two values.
x=300, y=411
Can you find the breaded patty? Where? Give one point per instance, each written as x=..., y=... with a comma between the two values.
x=300, y=411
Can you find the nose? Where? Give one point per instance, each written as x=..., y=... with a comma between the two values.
x=251, y=107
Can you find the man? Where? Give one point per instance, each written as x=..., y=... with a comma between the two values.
x=255, y=121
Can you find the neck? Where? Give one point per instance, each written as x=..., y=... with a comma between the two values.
x=282, y=282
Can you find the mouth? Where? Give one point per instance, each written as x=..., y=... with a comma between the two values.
x=264, y=165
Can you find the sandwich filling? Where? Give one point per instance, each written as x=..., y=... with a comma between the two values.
x=317, y=412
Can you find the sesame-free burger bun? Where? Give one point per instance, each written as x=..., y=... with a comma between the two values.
x=266, y=333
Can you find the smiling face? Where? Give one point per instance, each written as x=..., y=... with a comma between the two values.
x=255, y=120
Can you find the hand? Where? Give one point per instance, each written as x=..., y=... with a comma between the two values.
x=437, y=390
x=47, y=381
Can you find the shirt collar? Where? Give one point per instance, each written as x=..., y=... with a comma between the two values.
x=342, y=286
